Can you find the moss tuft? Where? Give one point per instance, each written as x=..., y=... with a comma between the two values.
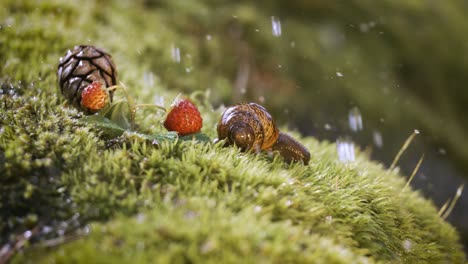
x=179, y=200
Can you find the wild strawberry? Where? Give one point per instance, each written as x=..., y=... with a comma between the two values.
x=94, y=97
x=184, y=118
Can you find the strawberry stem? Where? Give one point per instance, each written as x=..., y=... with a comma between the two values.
x=160, y=107
x=132, y=107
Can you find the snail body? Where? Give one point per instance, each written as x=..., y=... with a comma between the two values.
x=290, y=149
x=250, y=127
x=82, y=66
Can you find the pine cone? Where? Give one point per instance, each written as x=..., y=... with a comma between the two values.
x=82, y=66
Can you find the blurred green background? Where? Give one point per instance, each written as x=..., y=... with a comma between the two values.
x=322, y=66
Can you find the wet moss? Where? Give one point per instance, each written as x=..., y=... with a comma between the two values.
x=180, y=201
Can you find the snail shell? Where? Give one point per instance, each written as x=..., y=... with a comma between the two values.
x=250, y=127
x=82, y=66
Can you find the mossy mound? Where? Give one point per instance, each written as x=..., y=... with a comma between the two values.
x=178, y=201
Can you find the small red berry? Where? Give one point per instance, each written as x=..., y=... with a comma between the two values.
x=94, y=97
x=184, y=118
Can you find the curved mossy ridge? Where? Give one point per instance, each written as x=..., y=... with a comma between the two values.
x=182, y=200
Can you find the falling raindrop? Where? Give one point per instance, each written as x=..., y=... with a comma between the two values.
x=175, y=54
x=276, y=26
x=355, y=119
x=442, y=151
x=378, y=140
x=345, y=149
x=148, y=79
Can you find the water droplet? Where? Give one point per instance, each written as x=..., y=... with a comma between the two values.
x=339, y=74
x=407, y=244
x=276, y=26
x=175, y=51
x=257, y=208
x=158, y=100
x=345, y=149
x=459, y=191
x=148, y=79
x=86, y=229
x=208, y=37
x=378, y=140
x=190, y=215
x=27, y=234
x=46, y=229
x=363, y=27
x=442, y=151
x=140, y=218
x=355, y=119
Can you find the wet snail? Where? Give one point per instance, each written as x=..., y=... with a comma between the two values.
x=82, y=66
x=250, y=127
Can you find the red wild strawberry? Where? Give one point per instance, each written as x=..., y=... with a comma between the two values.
x=94, y=97
x=184, y=118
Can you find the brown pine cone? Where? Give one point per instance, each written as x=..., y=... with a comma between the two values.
x=82, y=66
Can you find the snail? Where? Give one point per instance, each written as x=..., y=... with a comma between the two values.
x=250, y=127
x=82, y=66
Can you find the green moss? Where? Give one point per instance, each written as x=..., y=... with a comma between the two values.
x=179, y=201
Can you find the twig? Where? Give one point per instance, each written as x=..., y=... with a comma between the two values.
x=403, y=148
x=10, y=249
